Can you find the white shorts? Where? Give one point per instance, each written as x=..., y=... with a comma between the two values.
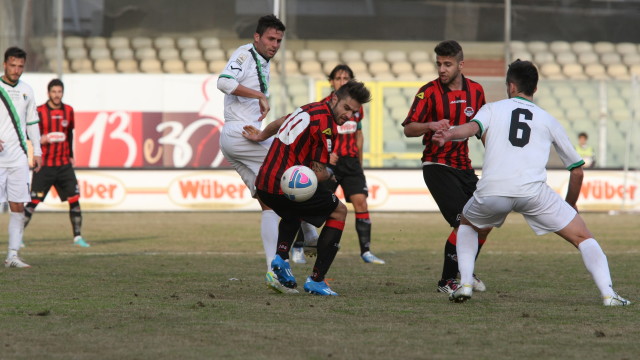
x=545, y=212
x=14, y=184
x=245, y=155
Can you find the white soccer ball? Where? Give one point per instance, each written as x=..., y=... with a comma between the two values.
x=299, y=183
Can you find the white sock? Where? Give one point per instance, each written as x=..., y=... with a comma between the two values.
x=310, y=232
x=16, y=228
x=596, y=262
x=269, y=233
x=467, y=248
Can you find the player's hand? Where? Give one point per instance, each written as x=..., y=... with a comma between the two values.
x=1, y=145
x=439, y=138
x=264, y=107
x=439, y=125
x=250, y=132
x=72, y=161
x=333, y=158
x=44, y=139
x=37, y=163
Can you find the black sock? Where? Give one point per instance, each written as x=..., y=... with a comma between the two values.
x=363, y=228
x=328, y=246
x=287, y=230
x=76, y=218
x=299, y=239
x=450, y=266
x=28, y=212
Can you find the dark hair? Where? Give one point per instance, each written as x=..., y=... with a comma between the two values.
x=55, y=82
x=341, y=67
x=15, y=52
x=356, y=90
x=583, y=134
x=524, y=75
x=269, y=21
x=449, y=48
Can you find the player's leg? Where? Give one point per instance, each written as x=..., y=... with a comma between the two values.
x=247, y=157
x=41, y=182
x=297, y=250
x=67, y=186
x=16, y=181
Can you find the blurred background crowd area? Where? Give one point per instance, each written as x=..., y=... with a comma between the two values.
x=587, y=51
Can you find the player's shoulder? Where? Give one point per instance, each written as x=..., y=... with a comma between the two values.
x=427, y=89
x=67, y=107
x=473, y=84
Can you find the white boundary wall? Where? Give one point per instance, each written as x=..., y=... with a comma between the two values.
x=390, y=190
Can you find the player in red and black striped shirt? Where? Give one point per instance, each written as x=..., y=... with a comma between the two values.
x=346, y=162
x=306, y=137
x=56, y=126
x=450, y=100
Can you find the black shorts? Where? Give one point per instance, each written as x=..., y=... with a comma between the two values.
x=350, y=176
x=451, y=189
x=63, y=178
x=314, y=211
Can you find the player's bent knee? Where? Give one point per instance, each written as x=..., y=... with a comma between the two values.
x=340, y=213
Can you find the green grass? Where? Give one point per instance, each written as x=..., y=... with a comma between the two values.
x=190, y=286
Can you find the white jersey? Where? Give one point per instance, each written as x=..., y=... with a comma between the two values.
x=251, y=70
x=519, y=135
x=17, y=110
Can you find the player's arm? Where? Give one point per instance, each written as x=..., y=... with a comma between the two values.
x=230, y=86
x=575, y=184
x=252, y=133
x=71, y=130
x=323, y=173
x=360, y=144
x=33, y=133
x=414, y=129
x=456, y=133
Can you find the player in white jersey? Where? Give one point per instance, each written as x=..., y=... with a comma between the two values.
x=518, y=136
x=245, y=82
x=18, y=119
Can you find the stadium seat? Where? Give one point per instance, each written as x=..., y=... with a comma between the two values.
x=53, y=65
x=76, y=53
x=96, y=42
x=305, y=55
x=559, y=47
x=191, y=54
x=631, y=59
x=603, y=47
x=610, y=59
x=635, y=69
x=402, y=68
x=145, y=53
x=563, y=90
x=196, y=66
x=409, y=76
x=618, y=71
x=595, y=71
x=140, y=42
x=52, y=53
x=543, y=57
x=328, y=66
x=626, y=48
x=588, y=57
x=162, y=42
x=379, y=67
x=122, y=54
x=49, y=42
x=396, y=101
x=517, y=45
x=580, y=47
x=213, y=54
x=104, y=66
x=99, y=53
x=168, y=53
x=350, y=55
x=371, y=55
x=537, y=46
x=359, y=69
x=128, y=66
x=394, y=56
x=522, y=55
x=566, y=57
x=150, y=66
x=551, y=71
x=418, y=56
x=117, y=42
x=81, y=65
x=574, y=71
x=186, y=42
x=173, y=66
x=311, y=68
x=73, y=42
x=328, y=55
x=424, y=69
x=209, y=43
x=216, y=66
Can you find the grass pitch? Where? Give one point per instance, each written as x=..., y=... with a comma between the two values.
x=190, y=286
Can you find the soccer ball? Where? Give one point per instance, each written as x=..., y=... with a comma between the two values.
x=299, y=183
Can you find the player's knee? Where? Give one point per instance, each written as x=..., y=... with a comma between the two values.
x=340, y=213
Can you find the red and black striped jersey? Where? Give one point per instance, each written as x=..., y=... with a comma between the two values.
x=346, y=141
x=57, y=120
x=306, y=135
x=435, y=102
